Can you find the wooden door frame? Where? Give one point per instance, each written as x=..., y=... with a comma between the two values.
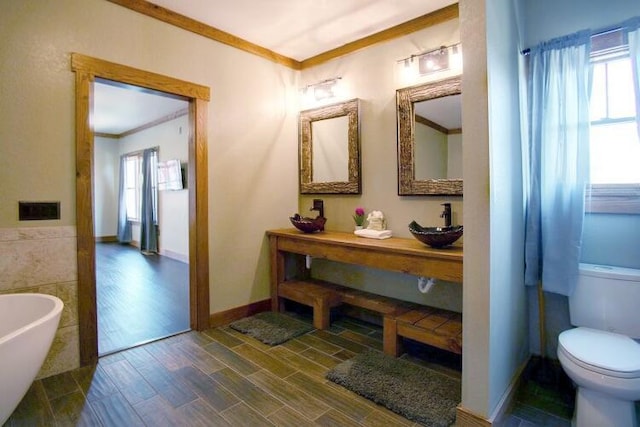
x=87, y=69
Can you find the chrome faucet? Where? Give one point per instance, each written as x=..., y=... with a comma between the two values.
x=318, y=205
x=446, y=214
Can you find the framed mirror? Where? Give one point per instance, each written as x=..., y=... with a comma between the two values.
x=330, y=149
x=430, y=139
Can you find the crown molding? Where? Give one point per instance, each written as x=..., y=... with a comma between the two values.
x=189, y=24
x=181, y=21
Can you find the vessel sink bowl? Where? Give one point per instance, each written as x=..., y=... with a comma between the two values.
x=308, y=225
x=436, y=237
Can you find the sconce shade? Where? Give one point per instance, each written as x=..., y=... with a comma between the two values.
x=324, y=90
x=436, y=60
x=440, y=59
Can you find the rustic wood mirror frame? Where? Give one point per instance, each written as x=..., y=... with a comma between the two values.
x=351, y=109
x=405, y=100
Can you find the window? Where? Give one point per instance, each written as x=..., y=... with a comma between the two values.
x=133, y=179
x=614, y=142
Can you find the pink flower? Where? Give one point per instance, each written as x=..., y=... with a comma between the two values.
x=359, y=216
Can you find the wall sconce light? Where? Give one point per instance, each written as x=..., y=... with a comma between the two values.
x=432, y=61
x=323, y=90
x=436, y=60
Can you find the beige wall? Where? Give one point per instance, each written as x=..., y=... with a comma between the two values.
x=251, y=137
x=431, y=148
x=106, y=171
x=372, y=75
x=475, y=164
x=252, y=146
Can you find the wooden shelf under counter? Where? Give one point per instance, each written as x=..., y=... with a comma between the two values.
x=394, y=254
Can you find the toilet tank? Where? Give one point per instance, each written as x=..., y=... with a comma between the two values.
x=607, y=298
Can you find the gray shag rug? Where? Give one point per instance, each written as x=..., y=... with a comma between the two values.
x=271, y=328
x=417, y=393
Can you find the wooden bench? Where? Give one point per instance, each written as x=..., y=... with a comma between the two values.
x=321, y=296
x=428, y=325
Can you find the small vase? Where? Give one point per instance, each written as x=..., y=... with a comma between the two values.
x=358, y=227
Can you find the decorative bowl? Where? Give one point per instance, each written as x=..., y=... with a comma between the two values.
x=308, y=225
x=436, y=237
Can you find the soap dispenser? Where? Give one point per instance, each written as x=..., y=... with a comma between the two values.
x=446, y=214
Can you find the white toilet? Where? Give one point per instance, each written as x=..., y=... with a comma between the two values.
x=602, y=355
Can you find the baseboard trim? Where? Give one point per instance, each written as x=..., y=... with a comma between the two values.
x=225, y=317
x=465, y=417
x=175, y=255
x=506, y=402
x=106, y=239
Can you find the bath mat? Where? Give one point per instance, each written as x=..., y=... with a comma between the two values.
x=417, y=393
x=271, y=328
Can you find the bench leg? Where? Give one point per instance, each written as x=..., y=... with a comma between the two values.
x=321, y=314
x=280, y=305
x=392, y=343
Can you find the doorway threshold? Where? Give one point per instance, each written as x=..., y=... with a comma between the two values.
x=141, y=343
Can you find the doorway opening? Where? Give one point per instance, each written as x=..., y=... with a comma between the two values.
x=87, y=70
x=140, y=213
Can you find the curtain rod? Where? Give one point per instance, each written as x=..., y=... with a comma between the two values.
x=599, y=32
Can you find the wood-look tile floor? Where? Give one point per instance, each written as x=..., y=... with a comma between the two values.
x=220, y=377
x=140, y=298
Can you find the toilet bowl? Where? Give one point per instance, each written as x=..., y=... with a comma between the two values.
x=602, y=355
x=605, y=367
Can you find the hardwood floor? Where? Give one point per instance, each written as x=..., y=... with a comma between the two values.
x=220, y=377
x=140, y=298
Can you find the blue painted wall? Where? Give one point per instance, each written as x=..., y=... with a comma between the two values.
x=546, y=19
x=612, y=240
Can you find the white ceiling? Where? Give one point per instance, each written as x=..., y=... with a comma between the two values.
x=117, y=109
x=298, y=29
x=301, y=29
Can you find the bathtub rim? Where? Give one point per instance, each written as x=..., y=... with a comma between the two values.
x=54, y=312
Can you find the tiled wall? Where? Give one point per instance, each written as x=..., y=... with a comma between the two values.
x=43, y=260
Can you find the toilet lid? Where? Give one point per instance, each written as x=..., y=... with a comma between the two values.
x=617, y=354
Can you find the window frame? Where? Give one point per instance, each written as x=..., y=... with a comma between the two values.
x=611, y=198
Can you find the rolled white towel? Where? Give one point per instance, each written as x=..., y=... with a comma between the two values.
x=373, y=234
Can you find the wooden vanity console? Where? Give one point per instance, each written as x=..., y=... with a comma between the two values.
x=440, y=328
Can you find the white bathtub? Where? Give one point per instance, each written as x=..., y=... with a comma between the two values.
x=28, y=323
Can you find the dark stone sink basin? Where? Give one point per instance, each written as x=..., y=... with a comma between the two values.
x=308, y=225
x=436, y=237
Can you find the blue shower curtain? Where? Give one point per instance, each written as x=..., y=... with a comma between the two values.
x=124, y=225
x=556, y=158
x=148, y=216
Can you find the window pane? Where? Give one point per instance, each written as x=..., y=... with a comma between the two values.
x=131, y=203
x=598, y=102
x=132, y=180
x=131, y=172
x=621, y=94
x=615, y=154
